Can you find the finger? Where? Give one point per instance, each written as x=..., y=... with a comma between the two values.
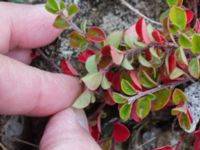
x=25, y=26
x=67, y=130
x=21, y=55
x=27, y=90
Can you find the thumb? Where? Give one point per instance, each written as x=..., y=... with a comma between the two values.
x=68, y=130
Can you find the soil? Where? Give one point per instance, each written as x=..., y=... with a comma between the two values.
x=157, y=130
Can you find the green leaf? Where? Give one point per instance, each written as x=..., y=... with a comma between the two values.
x=60, y=23
x=143, y=61
x=126, y=64
x=184, y=41
x=195, y=43
x=77, y=40
x=118, y=98
x=143, y=107
x=62, y=5
x=93, y=81
x=174, y=2
x=184, y=121
x=181, y=57
x=155, y=60
x=115, y=38
x=178, y=17
x=83, y=100
x=146, y=80
x=125, y=111
x=162, y=99
x=178, y=96
x=194, y=68
x=127, y=88
x=176, y=73
x=73, y=9
x=52, y=6
x=83, y=25
x=150, y=30
x=105, y=84
x=91, y=64
x=151, y=97
x=177, y=110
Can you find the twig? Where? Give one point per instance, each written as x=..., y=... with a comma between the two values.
x=26, y=142
x=3, y=147
x=51, y=63
x=139, y=13
x=158, y=88
x=147, y=142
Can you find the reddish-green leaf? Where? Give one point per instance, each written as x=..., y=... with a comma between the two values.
x=127, y=88
x=125, y=111
x=162, y=99
x=67, y=68
x=73, y=9
x=95, y=34
x=60, y=23
x=184, y=41
x=136, y=84
x=194, y=68
x=120, y=132
x=117, y=56
x=177, y=110
x=118, y=98
x=83, y=100
x=143, y=107
x=178, y=17
x=170, y=62
x=178, y=96
x=141, y=30
x=195, y=43
x=134, y=113
x=93, y=81
x=172, y=3
x=77, y=40
x=115, y=38
x=130, y=36
x=184, y=121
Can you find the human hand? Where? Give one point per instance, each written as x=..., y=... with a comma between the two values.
x=25, y=90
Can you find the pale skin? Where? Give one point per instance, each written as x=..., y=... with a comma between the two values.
x=25, y=90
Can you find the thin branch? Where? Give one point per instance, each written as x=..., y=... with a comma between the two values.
x=158, y=88
x=3, y=147
x=139, y=13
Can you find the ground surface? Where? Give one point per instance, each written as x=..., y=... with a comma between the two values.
x=157, y=130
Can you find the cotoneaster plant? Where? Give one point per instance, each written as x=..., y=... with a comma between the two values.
x=138, y=69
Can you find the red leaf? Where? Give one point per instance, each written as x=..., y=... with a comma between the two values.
x=67, y=68
x=134, y=114
x=33, y=54
x=197, y=140
x=190, y=16
x=197, y=26
x=136, y=84
x=148, y=54
x=114, y=78
x=172, y=62
x=106, y=50
x=95, y=132
x=165, y=148
x=120, y=132
x=82, y=57
x=108, y=98
x=95, y=34
x=141, y=30
x=158, y=37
